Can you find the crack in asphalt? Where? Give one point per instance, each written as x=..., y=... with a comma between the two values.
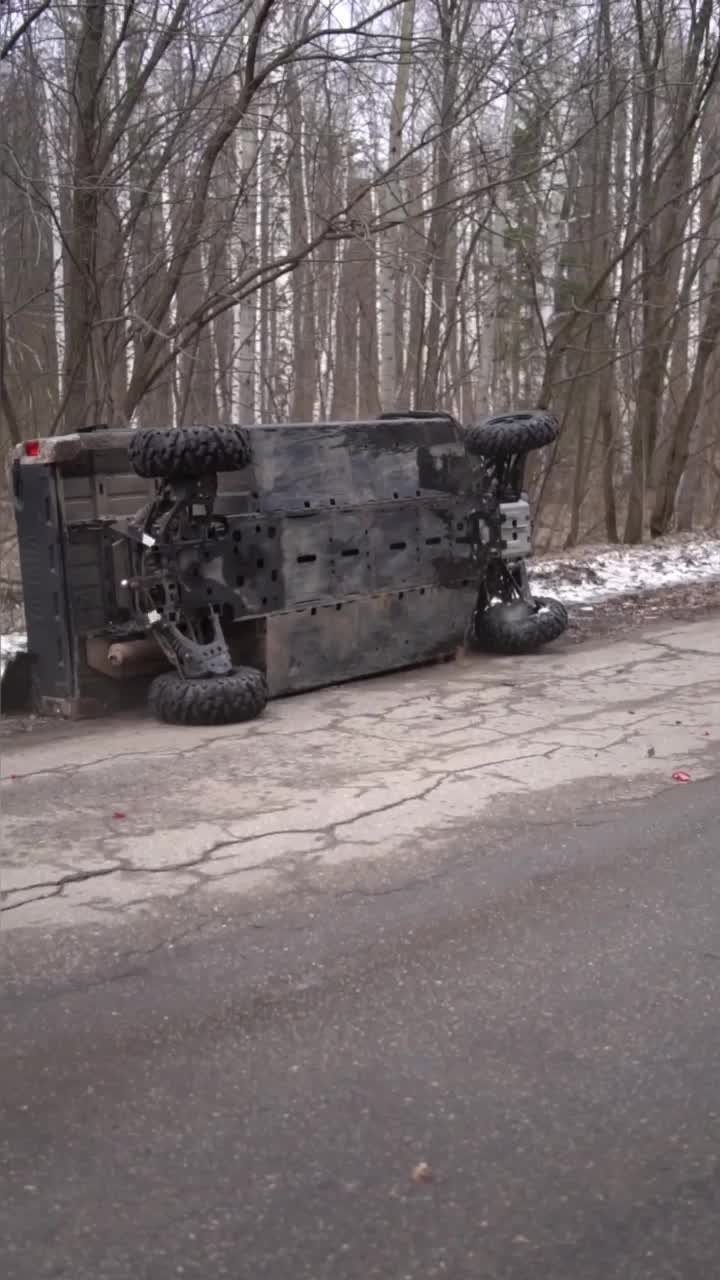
x=121, y=868
x=537, y=689
x=201, y=859
x=436, y=702
x=329, y=830
x=328, y=833
x=679, y=653
x=491, y=711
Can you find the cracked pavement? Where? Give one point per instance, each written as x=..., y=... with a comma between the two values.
x=104, y=818
x=460, y=917
x=112, y=817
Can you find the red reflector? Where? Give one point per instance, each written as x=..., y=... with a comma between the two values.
x=32, y=448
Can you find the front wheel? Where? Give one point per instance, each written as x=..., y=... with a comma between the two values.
x=505, y=434
x=519, y=627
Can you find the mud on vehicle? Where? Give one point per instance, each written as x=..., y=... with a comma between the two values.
x=235, y=564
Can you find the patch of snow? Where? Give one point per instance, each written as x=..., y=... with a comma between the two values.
x=12, y=643
x=620, y=571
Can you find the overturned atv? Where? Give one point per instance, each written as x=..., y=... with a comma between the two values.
x=233, y=565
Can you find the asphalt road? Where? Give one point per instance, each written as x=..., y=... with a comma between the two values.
x=536, y=1018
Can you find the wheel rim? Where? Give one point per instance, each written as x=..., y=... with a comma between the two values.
x=514, y=610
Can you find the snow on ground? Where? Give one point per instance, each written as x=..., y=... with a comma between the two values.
x=13, y=642
x=588, y=575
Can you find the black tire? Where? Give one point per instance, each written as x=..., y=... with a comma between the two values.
x=188, y=452
x=519, y=628
x=505, y=434
x=240, y=695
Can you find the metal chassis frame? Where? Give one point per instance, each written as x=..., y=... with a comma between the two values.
x=182, y=514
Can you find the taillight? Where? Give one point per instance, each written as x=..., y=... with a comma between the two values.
x=32, y=448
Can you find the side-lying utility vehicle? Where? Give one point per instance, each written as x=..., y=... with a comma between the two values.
x=236, y=564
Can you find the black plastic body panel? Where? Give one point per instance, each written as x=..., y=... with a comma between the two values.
x=42, y=547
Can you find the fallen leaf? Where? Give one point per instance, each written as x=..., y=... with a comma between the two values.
x=680, y=775
x=119, y=814
x=651, y=751
x=422, y=1172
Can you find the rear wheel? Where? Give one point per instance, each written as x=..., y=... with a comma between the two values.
x=230, y=699
x=519, y=627
x=188, y=452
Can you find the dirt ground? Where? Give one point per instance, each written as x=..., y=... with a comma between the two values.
x=606, y=618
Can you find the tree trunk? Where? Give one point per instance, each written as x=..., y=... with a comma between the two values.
x=664, y=212
x=391, y=203
x=694, y=496
x=246, y=259
x=302, y=283
x=356, y=382
x=488, y=358
x=452, y=34
x=416, y=271
x=82, y=246
x=679, y=450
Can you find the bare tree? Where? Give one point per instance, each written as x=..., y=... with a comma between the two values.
x=213, y=210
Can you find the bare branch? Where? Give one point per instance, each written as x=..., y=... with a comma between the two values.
x=17, y=35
